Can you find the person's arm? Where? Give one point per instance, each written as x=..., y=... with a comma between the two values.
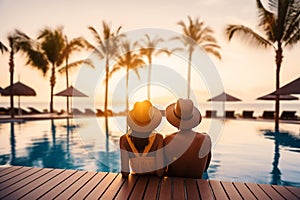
x=205, y=150
x=160, y=156
x=124, y=157
x=207, y=161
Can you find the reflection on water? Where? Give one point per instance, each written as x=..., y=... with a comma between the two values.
x=244, y=153
x=284, y=139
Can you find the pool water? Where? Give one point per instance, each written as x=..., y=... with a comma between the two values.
x=247, y=150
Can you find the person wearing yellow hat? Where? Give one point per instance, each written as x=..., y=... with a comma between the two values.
x=187, y=152
x=141, y=147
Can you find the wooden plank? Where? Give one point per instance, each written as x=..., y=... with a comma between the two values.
x=285, y=192
x=191, y=189
x=271, y=192
x=13, y=174
x=218, y=190
x=101, y=187
x=2, y=167
x=178, y=189
x=257, y=191
x=140, y=188
x=114, y=187
x=70, y=191
x=294, y=190
x=243, y=190
x=9, y=170
x=18, y=178
x=152, y=188
x=127, y=187
x=63, y=186
x=24, y=182
x=34, y=184
x=204, y=189
x=231, y=190
x=166, y=188
x=87, y=188
x=53, y=182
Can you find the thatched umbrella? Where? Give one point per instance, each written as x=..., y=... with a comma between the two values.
x=224, y=97
x=71, y=92
x=272, y=97
x=290, y=88
x=18, y=89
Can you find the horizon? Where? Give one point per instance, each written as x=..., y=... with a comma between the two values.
x=255, y=78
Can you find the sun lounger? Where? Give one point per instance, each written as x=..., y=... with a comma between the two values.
x=248, y=114
x=3, y=111
x=88, y=111
x=229, y=114
x=76, y=111
x=17, y=111
x=211, y=113
x=268, y=114
x=288, y=115
x=34, y=111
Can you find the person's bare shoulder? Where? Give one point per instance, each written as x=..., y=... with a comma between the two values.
x=123, y=141
x=168, y=138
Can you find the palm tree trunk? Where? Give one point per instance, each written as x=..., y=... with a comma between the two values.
x=279, y=57
x=11, y=71
x=127, y=101
x=52, y=83
x=67, y=75
x=106, y=95
x=149, y=77
x=189, y=73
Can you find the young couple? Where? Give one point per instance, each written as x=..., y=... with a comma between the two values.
x=185, y=153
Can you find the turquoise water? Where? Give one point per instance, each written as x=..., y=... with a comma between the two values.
x=246, y=151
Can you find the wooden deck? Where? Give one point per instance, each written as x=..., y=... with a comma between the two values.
x=42, y=183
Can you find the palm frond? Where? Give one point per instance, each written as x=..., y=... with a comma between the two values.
x=213, y=51
x=96, y=35
x=248, y=34
x=76, y=64
x=3, y=48
x=38, y=60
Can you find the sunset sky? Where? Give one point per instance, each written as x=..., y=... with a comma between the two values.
x=246, y=71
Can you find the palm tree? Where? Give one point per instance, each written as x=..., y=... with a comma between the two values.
x=196, y=33
x=106, y=48
x=3, y=48
x=129, y=60
x=75, y=45
x=281, y=28
x=149, y=49
x=51, y=45
x=18, y=41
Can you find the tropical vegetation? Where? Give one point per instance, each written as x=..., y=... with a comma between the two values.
x=281, y=29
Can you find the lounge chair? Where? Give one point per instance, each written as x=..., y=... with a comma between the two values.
x=268, y=114
x=76, y=111
x=3, y=111
x=88, y=111
x=17, y=111
x=34, y=111
x=288, y=115
x=229, y=114
x=211, y=113
x=248, y=114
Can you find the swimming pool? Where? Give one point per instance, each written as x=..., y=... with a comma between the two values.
x=247, y=151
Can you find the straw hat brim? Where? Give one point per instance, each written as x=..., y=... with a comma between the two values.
x=154, y=122
x=194, y=121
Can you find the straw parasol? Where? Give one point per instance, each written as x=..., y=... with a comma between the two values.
x=71, y=92
x=18, y=89
x=290, y=88
x=272, y=97
x=223, y=97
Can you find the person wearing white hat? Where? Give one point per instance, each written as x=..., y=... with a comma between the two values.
x=141, y=147
x=187, y=152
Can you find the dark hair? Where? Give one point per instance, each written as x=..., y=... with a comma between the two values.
x=139, y=142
